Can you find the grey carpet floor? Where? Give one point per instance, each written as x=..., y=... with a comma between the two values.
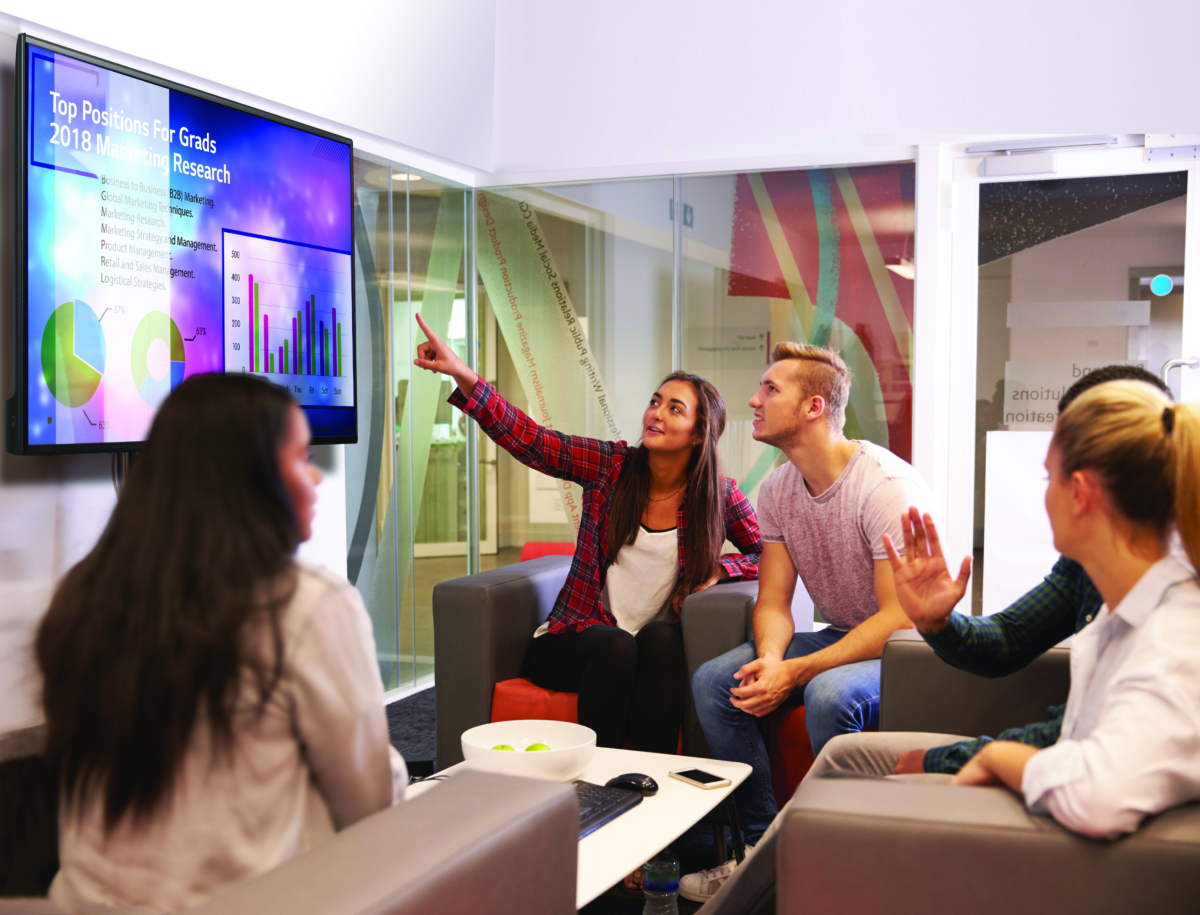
x=412, y=726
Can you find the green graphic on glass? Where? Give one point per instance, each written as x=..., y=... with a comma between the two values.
x=157, y=325
x=73, y=353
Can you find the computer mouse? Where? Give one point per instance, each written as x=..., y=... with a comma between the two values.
x=634, y=781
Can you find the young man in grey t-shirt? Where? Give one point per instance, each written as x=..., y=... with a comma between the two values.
x=822, y=516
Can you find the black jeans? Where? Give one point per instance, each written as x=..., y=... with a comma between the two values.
x=628, y=685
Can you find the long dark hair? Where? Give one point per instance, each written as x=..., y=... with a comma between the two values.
x=705, y=530
x=146, y=635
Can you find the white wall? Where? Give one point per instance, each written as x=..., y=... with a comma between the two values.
x=52, y=510
x=412, y=72
x=653, y=86
x=1093, y=265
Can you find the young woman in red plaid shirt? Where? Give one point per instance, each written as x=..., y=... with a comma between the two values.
x=653, y=520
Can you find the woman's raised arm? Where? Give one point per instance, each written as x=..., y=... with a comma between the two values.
x=568, y=457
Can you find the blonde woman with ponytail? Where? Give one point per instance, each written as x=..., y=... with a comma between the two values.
x=1124, y=474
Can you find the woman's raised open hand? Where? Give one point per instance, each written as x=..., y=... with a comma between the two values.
x=435, y=356
x=927, y=592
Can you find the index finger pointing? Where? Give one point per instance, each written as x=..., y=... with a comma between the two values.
x=429, y=335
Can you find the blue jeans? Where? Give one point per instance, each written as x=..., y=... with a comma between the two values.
x=844, y=700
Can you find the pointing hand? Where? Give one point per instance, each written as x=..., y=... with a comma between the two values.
x=435, y=356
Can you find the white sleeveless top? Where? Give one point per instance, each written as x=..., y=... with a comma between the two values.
x=641, y=580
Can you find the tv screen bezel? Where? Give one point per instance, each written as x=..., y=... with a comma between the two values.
x=17, y=433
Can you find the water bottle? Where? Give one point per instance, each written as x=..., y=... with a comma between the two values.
x=660, y=883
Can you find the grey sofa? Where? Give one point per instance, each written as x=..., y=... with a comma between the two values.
x=476, y=843
x=482, y=624
x=936, y=847
x=920, y=692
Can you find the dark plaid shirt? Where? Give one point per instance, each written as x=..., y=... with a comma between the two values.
x=595, y=465
x=998, y=645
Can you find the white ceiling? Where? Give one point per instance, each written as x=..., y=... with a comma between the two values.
x=506, y=90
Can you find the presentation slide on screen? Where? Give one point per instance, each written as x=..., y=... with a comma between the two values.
x=169, y=235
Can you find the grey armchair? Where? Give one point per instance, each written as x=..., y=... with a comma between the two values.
x=932, y=847
x=875, y=846
x=482, y=624
x=477, y=843
x=920, y=692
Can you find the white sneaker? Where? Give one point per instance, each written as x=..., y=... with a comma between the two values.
x=702, y=886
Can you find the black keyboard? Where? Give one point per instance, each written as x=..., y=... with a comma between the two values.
x=598, y=805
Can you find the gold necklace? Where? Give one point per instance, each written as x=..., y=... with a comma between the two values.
x=664, y=498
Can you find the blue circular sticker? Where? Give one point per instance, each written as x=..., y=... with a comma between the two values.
x=1161, y=284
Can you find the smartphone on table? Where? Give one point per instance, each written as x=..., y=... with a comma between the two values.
x=700, y=778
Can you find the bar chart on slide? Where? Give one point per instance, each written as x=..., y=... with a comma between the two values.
x=288, y=316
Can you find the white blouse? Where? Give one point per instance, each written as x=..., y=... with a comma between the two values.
x=317, y=760
x=1130, y=743
x=639, y=583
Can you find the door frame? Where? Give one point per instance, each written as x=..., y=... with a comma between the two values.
x=489, y=541
x=957, y=473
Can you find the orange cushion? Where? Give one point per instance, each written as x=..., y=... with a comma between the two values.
x=514, y=700
x=789, y=750
x=536, y=549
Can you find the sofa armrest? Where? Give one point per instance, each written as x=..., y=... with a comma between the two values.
x=715, y=620
x=478, y=843
x=481, y=627
x=930, y=845
x=918, y=691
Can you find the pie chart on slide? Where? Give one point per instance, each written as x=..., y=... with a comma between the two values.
x=156, y=326
x=73, y=353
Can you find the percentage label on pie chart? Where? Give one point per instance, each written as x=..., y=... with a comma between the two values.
x=153, y=380
x=73, y=353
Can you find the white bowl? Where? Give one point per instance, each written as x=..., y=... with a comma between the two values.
x=572, y=747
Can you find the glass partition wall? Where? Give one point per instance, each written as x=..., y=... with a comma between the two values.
x=575, y=296
x=584, y=296
x=819, y=255
x=407, y=518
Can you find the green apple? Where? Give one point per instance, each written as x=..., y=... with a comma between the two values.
x=536, y=746
x=504, y=746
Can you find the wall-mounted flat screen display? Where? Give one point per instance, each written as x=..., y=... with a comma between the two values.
x=163, y=232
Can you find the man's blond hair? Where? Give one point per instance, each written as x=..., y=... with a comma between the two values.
x=821, y=371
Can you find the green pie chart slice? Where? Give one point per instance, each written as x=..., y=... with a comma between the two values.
x=73, y=353
x=157, y=325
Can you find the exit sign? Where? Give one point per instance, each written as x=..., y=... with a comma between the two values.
x=687, y=213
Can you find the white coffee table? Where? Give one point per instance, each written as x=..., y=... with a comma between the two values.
x=624, y=844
